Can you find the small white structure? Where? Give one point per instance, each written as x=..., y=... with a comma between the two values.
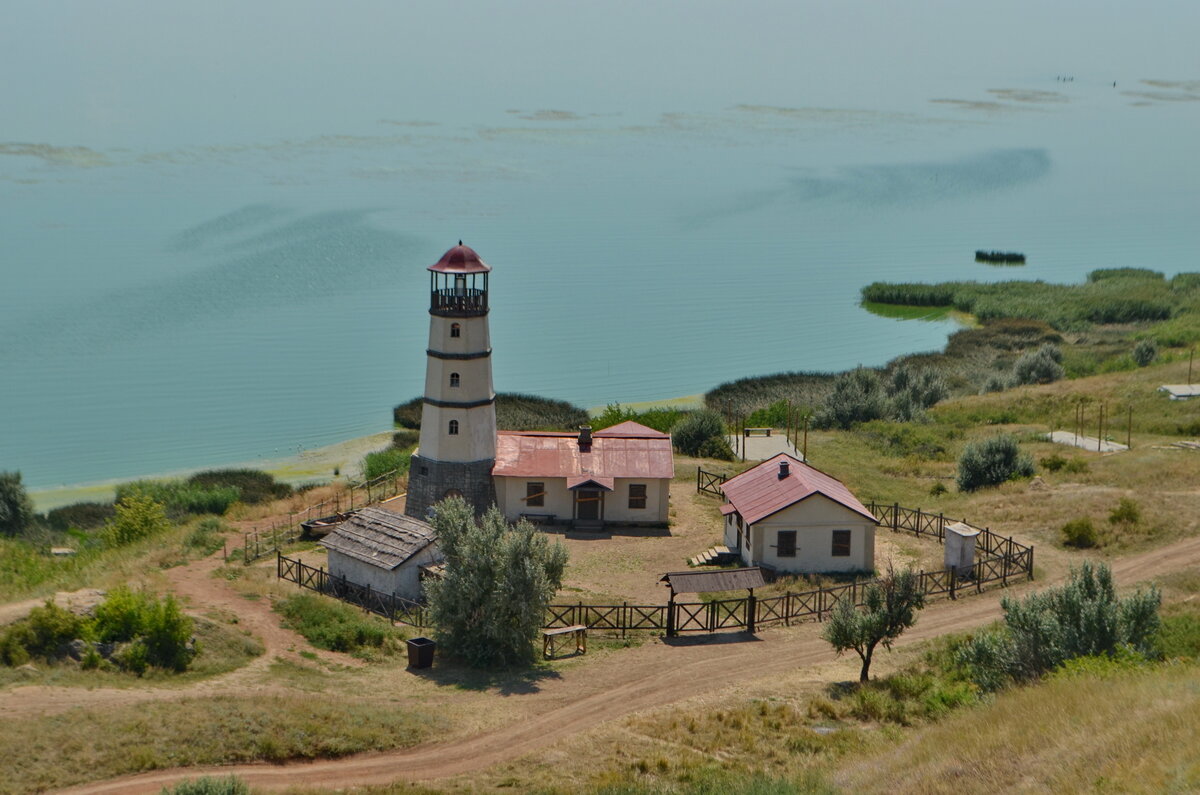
x=1181, y=391
x=788, y=516
x=959, y=549
x=382, y=549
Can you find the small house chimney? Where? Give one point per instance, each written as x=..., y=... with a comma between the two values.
x=585, y=437
x=783, y=469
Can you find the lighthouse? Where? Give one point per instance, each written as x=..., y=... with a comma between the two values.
x=458, y=419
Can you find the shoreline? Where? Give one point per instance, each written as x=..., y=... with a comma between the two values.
x=304, y=467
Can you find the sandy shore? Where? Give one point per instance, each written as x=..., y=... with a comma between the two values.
x=305, y=467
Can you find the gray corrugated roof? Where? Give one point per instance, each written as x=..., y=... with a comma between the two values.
x=722, y=580
x=380, y=537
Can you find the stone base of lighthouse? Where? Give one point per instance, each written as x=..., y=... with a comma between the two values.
x=429, y=482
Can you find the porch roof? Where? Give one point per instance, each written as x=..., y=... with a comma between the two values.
x=720, y=580
x=581, y=481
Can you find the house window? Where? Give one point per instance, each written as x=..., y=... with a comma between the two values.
x=535, y=494
x=841, y=543
x=454, y=427
x=739, y=521
x=786, y=546
x=637, y=495
x=455, y=330
x=454, y=380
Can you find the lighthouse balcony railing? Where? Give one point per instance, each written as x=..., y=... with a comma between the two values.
x=459, y=300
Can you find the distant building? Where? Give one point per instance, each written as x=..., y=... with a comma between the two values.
x=793, y=518
x=383, y=549
x=620, y=475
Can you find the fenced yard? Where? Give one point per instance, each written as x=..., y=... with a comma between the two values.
x=999, y=560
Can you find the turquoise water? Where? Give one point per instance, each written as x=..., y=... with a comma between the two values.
x=215, y=220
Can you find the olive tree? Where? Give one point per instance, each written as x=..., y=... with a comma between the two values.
x=890, y=606
x=499, y=579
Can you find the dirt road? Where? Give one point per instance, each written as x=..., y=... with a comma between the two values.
x=650, y=676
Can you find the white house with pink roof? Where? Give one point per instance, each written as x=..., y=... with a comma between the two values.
x=793, y=518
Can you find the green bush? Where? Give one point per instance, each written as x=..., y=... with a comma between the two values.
x=122, y=616
x=992, y=462
x=858, y=396
x=1044, y=630
x=253, y=485
x=1041, y=367
x=716, y=447
x=329, y=624
x=1127, y=512
x=206, y=536
x=167, y=635
x=209, y=785
x=695, y=429
x=1145, y=352
x=1080, y=533
x=16, y=509
x=1179, y=637
x=179, y=497
x=137, y=517
x=743, y=397
x=384, y=462
x=41, y=635
x=1052, y=463
x=80, y=516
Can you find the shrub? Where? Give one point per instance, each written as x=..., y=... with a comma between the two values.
x=167, y=635
x=490, y=605
x=16, y=509
x=937, y=489
x=716, y=447
x=209, y=785
x=1076, y=466
x=180, y=497
x=697, y=428
x=1044, y=630
x=122, y=616
x=992, y=462
x=1145, y=352
x=383, y=462
x=1052, y=463
x=1179, y=636
x=80, y=516
x=995, y=383
x=205, y=537
x=857, y=397
x=1041, y=367
x=253, y=485
x=137, y=517
x=42, y=634
x=332, y=625
x=1127, y=512
x=1080, y=533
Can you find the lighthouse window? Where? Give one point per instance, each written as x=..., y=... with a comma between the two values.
x=454, y=427
x=455, y=330
x=454, y=379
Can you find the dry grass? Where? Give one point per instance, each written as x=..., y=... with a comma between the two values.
x=1133, y=732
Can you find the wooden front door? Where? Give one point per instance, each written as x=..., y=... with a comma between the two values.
x=587, y=505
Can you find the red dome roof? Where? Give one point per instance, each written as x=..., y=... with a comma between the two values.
x=460, y=259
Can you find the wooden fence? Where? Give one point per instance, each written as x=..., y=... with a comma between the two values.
x=998, y=559
x=270, y=538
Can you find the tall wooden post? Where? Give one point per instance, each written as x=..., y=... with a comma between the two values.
x=751, y=605
x=1129, y=429
x=671, y=615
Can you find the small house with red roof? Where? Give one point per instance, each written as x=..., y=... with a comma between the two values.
x=620, y=475
x=793, y=518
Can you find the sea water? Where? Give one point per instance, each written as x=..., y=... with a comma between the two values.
x=215, y=218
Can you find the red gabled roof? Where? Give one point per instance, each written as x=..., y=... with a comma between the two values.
x=538, y=454
x=759, y=492
x=460, y=259
x=632, y=429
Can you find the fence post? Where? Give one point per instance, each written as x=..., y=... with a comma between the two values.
x=953, y=581
x=1031, y=563
x=671, y=616
x=895, y=517
x=278, y=564
x=941, y=527
x=751, y=606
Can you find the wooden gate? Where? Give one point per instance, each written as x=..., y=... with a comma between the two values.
x=709, y=616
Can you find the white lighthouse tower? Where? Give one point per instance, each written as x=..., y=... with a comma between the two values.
x=458, y=421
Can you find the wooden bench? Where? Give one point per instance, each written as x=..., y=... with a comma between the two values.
x=552, y=638
x=757, y=431
x=538, y=518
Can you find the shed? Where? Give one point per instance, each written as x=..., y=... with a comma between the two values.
x=959, y=550
x=383, y=549
x=791, y=517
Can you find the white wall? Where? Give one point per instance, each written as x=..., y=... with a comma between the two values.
x=404, y=580
x=559, y=501
x=814, y=521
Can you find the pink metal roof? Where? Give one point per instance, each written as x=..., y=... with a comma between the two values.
x=632, y=429
x=460, y=259
x=575, y=481
x=538, y=454
x=759, y=492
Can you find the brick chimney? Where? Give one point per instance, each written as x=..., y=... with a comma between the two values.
x=585, y=438
x=784, y=468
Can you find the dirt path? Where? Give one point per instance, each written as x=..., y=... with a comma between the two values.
x=647, y=677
